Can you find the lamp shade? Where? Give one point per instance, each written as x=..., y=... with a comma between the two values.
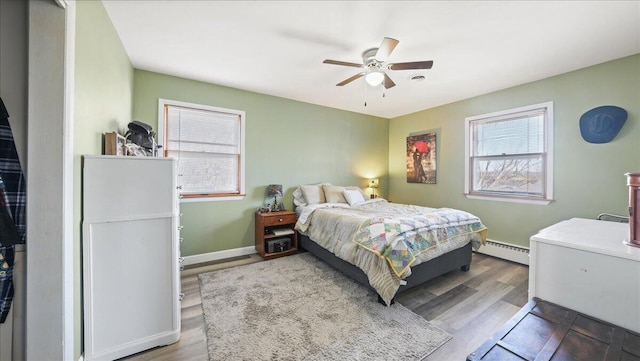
x=274, y=190
x=373, y=183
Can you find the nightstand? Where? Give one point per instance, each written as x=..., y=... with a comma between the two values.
x=275, y=234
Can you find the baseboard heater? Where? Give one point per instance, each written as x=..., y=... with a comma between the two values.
x=506, y=251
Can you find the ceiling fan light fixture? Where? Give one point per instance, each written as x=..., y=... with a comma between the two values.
x=374, y=78
x=374, y=65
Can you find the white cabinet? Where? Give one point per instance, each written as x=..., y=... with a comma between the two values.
x=583, y=264
x=130, y=251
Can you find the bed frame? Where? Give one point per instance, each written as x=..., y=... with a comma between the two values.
x=456, y=259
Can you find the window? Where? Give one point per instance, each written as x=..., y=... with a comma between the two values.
x=208, y=143
x=509, y=155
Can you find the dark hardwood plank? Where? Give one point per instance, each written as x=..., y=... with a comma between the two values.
x=518, y=296
x=415, y=297
x=444, y=302
x=450, y=280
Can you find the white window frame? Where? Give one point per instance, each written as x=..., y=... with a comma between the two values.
x=241, y=166
x=548, y=151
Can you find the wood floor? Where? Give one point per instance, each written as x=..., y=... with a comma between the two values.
x=470, y=306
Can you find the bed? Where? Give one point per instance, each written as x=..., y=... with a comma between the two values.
x=388, y=247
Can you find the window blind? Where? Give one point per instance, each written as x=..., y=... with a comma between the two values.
x=207, y=146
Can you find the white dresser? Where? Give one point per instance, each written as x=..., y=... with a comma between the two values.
x=130, y=255
x=582, y=264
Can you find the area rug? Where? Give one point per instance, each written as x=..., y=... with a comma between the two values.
x=299, y=308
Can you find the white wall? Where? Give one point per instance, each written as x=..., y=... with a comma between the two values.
x=50, y=320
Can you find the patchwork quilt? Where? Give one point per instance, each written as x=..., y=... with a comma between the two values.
x=400, y=239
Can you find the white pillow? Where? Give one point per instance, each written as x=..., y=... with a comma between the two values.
x=298, y=198
x=364, y=195
x=313, y=194
x=333, y=194
x=353, y=196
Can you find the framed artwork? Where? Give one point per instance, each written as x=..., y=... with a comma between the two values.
x=421, y=158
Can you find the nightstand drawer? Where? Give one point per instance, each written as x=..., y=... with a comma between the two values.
x=273, y=220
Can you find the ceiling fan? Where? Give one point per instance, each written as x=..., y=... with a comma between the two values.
x=374, y=66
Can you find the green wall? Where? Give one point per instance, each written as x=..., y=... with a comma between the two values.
x=588, y=178
x=287, y=142
x=103, y=103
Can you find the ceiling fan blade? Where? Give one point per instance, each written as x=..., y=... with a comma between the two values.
x=344, y=63
x=411, y=65
x=386, y=47
x=388, y=83
x=347, y=81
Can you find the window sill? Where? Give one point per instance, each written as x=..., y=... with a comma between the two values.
x=211, y=199
x=541, y=202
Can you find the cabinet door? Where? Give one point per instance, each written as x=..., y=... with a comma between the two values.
x=126, y=187
x=129, y=293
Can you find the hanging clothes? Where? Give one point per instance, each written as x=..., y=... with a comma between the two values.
x=9, y=234
x=7, y=255
x=12, y=176
x=13, y=203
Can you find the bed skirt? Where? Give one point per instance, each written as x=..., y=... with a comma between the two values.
x=457, y=259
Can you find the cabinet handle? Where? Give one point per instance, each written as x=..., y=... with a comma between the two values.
x=280, y=220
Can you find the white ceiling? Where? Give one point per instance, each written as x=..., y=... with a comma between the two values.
x=277, y=47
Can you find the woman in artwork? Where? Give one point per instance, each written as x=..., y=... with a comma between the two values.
x=421, y=150
x=417, y=165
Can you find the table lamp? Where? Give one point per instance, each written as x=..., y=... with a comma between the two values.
x=275, y=191
x=373, y=184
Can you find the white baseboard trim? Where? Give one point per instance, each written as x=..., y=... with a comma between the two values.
x=216, y=256
x=493, y=248
x=506, y=251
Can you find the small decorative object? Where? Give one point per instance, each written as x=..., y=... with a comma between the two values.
x=421, y=158
x=373, y=184
x=275, y=191
x=114, y=144
x=143, y=135
x=134, y=150
x=602, y=124
x=633, y=181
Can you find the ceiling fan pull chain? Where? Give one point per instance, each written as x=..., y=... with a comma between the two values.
x=365, y=93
